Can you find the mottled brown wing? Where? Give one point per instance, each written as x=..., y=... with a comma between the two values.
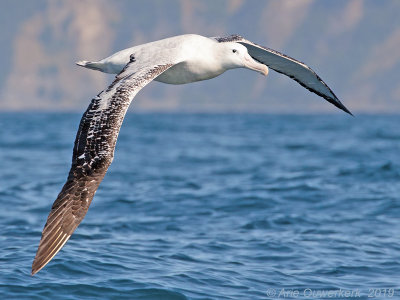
x=92, y=155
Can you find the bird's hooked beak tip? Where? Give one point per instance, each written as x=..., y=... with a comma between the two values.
x=265, y=71
x=262, y=69
x=254, y=65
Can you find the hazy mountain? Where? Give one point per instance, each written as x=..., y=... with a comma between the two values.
x=353, y=45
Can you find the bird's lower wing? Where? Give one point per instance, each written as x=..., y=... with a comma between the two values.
x=288, y=66
x=93, y=153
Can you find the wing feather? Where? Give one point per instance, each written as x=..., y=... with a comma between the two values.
x=288, y=66
x=92, y=155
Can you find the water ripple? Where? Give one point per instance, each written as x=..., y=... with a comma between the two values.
x=208, y=207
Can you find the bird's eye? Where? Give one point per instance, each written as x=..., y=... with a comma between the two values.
x=234, y=50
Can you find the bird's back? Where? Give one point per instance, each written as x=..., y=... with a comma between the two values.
x=146, y=53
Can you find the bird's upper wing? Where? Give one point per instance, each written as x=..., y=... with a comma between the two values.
x=288, y=66
x=92, y=155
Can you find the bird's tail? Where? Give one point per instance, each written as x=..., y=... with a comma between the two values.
x=90, y=65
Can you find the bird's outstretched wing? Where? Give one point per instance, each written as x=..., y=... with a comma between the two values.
x=92, y=155
x=288, y=66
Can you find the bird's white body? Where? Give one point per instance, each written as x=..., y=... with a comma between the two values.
x=200, y=58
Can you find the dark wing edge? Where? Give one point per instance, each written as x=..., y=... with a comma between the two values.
x=278, y=63
x=92, y=155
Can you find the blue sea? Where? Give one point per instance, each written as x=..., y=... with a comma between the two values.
x=208, y=206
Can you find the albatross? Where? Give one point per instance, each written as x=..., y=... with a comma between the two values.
x=176, y=60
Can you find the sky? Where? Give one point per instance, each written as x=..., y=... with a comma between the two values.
x=353, y=45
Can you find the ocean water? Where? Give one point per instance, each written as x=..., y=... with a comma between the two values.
x=209, y=207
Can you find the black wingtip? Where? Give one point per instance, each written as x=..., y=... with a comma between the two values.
x=340, y=105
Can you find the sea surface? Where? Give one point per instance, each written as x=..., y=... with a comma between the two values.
x=200, y=206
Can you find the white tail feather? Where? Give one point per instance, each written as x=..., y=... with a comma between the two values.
x=90, y=65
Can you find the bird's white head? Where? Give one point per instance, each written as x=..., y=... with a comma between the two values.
x=235, y=55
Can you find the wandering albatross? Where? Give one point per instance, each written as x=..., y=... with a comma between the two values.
x=176, y=60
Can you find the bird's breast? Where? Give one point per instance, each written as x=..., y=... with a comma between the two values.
x=187, y=72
